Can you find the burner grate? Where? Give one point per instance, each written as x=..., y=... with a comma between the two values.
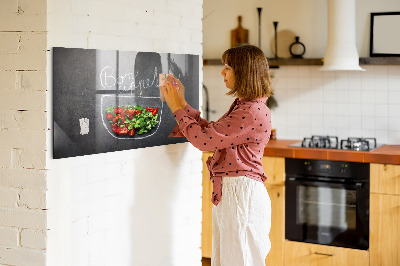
x=358, y=144
x=327, y=142
x=332, y=142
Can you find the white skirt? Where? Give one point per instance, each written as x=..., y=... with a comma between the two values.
x=241, y=223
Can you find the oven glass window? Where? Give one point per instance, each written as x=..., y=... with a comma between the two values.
x=326, y=207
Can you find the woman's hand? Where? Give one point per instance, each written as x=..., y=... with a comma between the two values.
x=174, y=93
x=181, y=92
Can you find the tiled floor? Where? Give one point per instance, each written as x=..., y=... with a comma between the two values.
x=206, y=261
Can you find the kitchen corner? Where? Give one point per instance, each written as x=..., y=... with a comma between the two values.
x=383, y=195
x=330, y=206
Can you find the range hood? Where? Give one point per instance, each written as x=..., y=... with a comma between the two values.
x=341, y=51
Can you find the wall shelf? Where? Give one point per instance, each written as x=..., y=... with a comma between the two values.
x=274, y=63
x=380, y=61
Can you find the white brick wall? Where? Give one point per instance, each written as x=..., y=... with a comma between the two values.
x=33, y=239
x=137, y=207
x=91, y=202
x=8, y=197
x=23, y=132
x=9, y=237
x=95, y=199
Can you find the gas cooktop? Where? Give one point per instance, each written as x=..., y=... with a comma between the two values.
x=332, y=142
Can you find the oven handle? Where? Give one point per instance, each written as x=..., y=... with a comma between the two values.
x=357, y=185
x=324, y=254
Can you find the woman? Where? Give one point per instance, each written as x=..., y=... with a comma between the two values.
x=242, y=208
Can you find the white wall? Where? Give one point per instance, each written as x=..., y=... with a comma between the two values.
x=136, y=207
x=304, y=18
x=311, y=102
x=23, y=133
x=343, y=104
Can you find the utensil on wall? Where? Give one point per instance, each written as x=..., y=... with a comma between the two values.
x=239, y=35
x=276, y=38
x=259, y=9
x=297, y=49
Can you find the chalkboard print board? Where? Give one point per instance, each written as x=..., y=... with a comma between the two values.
x=91, y=87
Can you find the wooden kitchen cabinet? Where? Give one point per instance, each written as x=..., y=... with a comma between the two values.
x=277, y=233
x=385, y=178
x=384, y=236
x=274, y=168
x=206, y=225
x=305, y=254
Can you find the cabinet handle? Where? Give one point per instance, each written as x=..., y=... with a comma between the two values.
x=325, y=254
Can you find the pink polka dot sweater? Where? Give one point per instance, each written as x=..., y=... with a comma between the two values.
x=238, y=139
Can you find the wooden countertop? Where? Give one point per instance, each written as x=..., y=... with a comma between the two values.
x=389, y=154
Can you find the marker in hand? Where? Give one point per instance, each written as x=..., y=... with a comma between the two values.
x=161, y=82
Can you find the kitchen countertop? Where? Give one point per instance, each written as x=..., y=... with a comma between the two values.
x=389, y=154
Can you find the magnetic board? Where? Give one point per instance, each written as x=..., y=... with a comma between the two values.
x=90, y=86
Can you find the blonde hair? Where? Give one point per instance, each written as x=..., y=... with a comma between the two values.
x=250, y=66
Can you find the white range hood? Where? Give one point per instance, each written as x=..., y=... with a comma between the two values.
x=341, y=51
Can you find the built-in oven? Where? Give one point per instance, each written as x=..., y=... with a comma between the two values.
x=327, y=202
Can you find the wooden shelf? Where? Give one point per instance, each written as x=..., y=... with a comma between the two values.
x=380, y=61
x=274, y=63
x=212, y=62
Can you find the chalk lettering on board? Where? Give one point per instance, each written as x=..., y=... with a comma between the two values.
x=107, y=79
x=144, y=84
x=126, y=82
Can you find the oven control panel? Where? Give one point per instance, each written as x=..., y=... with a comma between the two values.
x=338, y=169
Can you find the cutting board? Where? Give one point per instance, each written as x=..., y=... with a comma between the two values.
x=239, y=35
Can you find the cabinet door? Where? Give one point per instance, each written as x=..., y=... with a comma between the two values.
x=277, y=233
x=384, y=229
x=385, y=178
x=304, y=254
x=274, y=168
x=206, y=232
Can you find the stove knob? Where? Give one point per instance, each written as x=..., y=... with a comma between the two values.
x=343, y=168
x=308, y=166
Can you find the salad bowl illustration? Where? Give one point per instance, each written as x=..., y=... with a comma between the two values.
x=131, y=117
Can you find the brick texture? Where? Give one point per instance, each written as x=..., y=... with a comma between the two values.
x=33, y=239
x=23, y=125
x=91, y=202
x=17, y=256
x=33, y=199
x=8, y=197
x=23, y=139
x=23, y=178
x=23, y=218
x=101, y=191
x=9, y=237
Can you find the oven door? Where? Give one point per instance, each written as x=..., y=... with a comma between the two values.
x=327, y=213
